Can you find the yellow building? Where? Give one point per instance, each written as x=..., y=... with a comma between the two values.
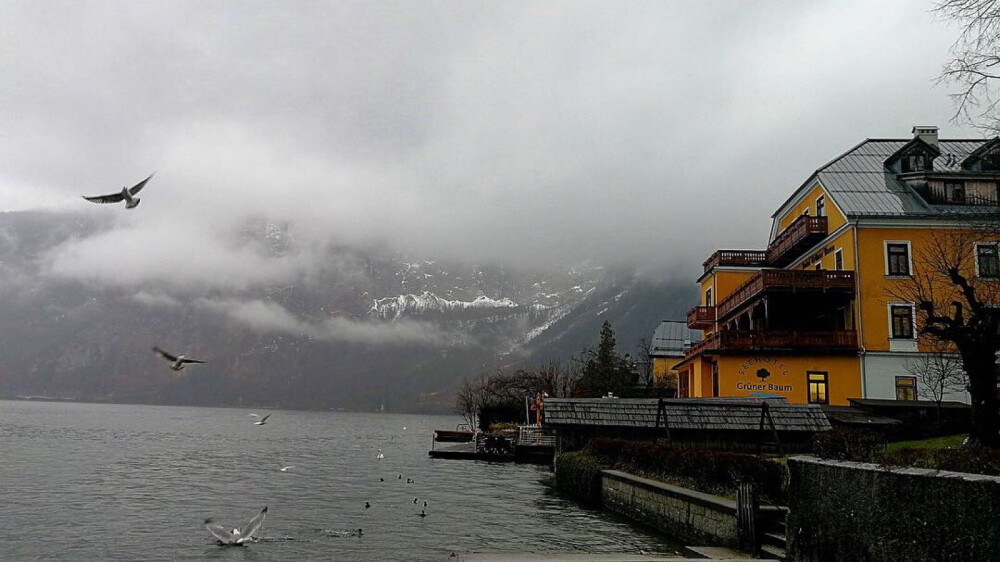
x=670, y=339
x=812, y=317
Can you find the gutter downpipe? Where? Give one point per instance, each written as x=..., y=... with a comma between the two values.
x=861, y=322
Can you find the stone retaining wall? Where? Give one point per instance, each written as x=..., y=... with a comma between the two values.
x=855, y=511
x=685, y=514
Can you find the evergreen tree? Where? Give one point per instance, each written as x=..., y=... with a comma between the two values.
x=603, y=370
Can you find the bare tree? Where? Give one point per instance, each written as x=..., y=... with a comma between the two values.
x=975, y=57
x=959, y=310
x=490, y=389
x=940, y=374
x=644, y=362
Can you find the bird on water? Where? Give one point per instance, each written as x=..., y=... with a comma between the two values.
x=127, y=194
x=239, y=535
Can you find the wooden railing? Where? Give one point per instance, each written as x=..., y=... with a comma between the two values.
x=701, y=317
x=740, y=340
x=737, y=258
x=800, y=229
x=772, y=279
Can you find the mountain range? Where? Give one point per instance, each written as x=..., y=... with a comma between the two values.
x=381, y=330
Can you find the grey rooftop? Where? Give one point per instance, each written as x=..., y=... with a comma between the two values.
x=683, y=413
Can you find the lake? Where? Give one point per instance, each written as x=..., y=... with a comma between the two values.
x=103, y=481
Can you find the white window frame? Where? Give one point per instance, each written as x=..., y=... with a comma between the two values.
x=902, y=344
x=838, y=252
x=708, y=297
x=821, y=199
x=909, y=258
x=975, y=255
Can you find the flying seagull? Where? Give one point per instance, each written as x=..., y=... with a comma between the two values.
x=380, y=456
x=127, y=195
x=239, y=535
x=176, y=362
x=285, y=469
x=262, y=420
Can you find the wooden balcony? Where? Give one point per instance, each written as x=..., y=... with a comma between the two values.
x=802, y=234
x=786, y=280
x=736, y=258
x=701, y=317
x=776, y=340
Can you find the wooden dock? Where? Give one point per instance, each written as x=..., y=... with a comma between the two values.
x=465, y=451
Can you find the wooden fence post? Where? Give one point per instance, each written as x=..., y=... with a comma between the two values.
x=748, y=516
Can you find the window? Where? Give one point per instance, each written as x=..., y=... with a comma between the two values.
x=708, y=297
x=901, y=321
x=954, y=191
x=817, y=382
x=819, y=266
x=897, y=255
x=838, y=260
x=906, y=388
x=987, y=261
x=715, y=380
x=915, y=162
x=821, y=206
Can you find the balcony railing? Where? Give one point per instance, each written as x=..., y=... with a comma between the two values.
x=803, y=232
x=701, y=317
x=736, y=258
x=936, y=195
x=785, y=279
x=752, y=340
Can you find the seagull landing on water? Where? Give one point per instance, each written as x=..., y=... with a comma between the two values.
x=239, y=535
x=262, y=420
x=177, y=362
x=127, y=195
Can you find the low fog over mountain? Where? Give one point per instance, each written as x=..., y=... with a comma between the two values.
x=367, y=327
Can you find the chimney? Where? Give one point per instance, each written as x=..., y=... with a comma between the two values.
x=926, y=133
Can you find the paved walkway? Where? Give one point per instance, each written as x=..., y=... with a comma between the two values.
x=577, y=557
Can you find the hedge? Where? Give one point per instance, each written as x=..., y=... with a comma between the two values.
x=844, y=444
x=714, y=472
x=579, y=475
x=974, y=460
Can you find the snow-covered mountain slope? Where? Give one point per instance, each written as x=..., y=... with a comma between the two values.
x=369, y=327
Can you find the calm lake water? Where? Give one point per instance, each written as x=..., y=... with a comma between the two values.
x=102, y=482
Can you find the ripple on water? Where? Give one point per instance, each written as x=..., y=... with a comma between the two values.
x=136, y=482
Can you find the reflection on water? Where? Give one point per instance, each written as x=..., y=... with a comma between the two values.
x=95, y=481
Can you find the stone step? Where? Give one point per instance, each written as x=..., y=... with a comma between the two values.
x=775, y=539
x=773, y=552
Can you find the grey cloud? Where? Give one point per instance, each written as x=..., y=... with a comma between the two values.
x=533, y=133
x=271, y=317
x=155, y=299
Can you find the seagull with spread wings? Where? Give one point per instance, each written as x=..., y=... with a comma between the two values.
x=239, y=535
x=127, y=194
x=262, y=420
x=177, y=362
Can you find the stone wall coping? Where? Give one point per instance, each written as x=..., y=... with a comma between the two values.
x=910, y=471
x=717, y=503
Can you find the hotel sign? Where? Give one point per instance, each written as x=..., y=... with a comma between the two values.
x=763, y=368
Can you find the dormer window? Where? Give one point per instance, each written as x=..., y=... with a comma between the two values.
x=915, y=162
x=955, y=192
x=991, y=161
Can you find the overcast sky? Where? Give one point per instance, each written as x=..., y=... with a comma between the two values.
x=525, y=132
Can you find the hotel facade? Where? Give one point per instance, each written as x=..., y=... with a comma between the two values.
x=815, y=317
